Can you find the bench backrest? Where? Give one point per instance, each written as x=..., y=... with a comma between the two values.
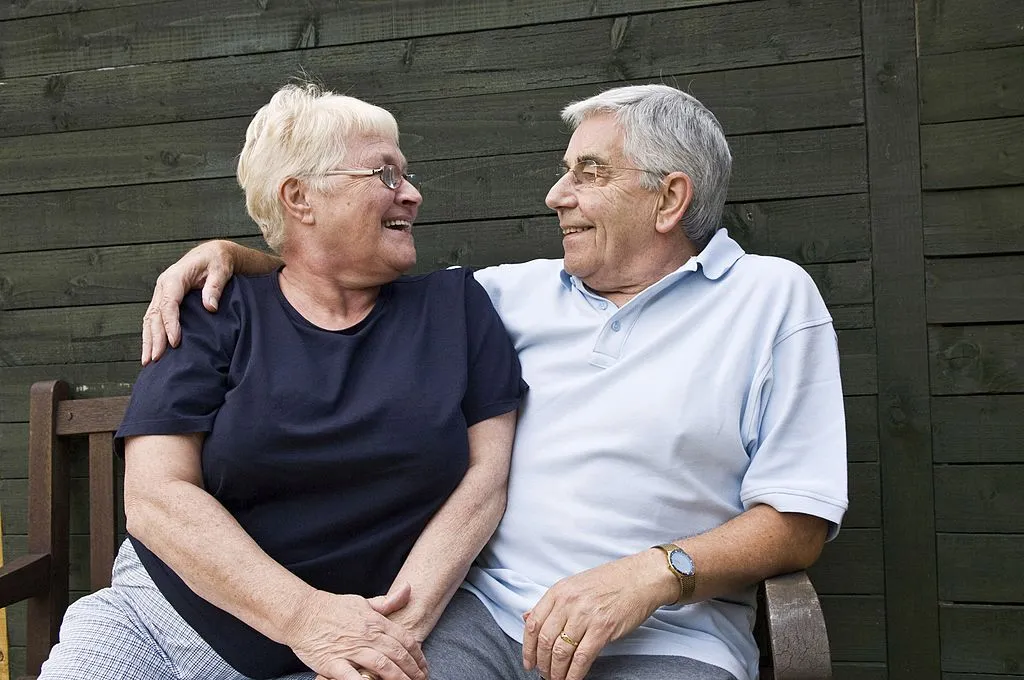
x=54, y=420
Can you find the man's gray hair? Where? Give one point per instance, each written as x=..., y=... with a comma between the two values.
x=666, y=130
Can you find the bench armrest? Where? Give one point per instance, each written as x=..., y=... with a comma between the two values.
x=796, y=629
x=24, y=577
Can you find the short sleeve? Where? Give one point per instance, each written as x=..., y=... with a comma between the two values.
x=495, y=384
x=798, y=457
x=182, y=392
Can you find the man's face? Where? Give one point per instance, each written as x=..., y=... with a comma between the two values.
x=608, y=223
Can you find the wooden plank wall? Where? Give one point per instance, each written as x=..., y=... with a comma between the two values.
x=121, y=120
x=972, y=169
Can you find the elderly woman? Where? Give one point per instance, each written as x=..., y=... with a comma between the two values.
x=309, y=476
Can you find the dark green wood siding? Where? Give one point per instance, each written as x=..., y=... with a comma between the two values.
x=120, y=121
x=972, y=169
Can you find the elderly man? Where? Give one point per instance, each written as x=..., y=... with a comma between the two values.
x=683, y=437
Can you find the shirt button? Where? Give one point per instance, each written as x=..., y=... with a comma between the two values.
x=616, y=326
x=602, y=305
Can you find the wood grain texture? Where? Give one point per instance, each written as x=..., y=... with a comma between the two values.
x=201, y=209
x=856, y=627
x=851, y=564
x=185, y=30
x=976, y=289
x=974, y=221
x=978, y=429
x=805, y=230
x=982, y=639
x=972, y=85
x=16, y=517
x=21, y=9
x=782, y=165
x=981, y=567
x=962, y=25
x=894, y=161
x=14, y=453
x=90, y=276
x=979, y=498
x=111, y=333
x=13, y=450
x=857, y=361
x=861, y=428
x=97, y=334
x=446, y=66
x=973, y=154
x=79, y=573
x=86, y=380
x=976, y=359
x=858, y=671
x=744, y=101
x=865, y=510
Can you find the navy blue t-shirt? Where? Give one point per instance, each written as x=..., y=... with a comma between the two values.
x=332, y=449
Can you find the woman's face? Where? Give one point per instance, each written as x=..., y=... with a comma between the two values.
x=364, y=228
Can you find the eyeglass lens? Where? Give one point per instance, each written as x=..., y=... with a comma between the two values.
x=392, y=176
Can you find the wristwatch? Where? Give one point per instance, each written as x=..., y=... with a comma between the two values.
x=681, y=565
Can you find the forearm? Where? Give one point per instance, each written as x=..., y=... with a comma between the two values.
x=442, y=555
x=199, y=539
x=749, y=548
x=250, y=261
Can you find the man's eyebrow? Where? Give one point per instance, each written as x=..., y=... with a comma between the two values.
x=593, y=158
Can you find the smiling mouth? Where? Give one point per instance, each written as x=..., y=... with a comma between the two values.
x=574, y=230
x=398, y=225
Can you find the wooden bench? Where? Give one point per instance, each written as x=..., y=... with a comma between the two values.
x=790, y=627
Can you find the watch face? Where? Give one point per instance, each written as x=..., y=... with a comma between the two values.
x=682, y=562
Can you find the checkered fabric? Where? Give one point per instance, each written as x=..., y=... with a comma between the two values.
x=130, y=632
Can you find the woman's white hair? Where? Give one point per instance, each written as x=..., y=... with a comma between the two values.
x=666, y=130
x=302, y=132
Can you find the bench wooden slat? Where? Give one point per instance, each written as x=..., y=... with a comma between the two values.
x=48, y=517
x=84, y=416
x=23, y=577
x=102, y=529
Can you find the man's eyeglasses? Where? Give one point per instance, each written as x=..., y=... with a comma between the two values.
x=588, y=172
x=391, y=175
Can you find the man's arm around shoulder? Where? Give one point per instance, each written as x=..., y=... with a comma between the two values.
x=209, y=265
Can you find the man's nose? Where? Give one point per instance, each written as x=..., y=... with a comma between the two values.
x=561, y=194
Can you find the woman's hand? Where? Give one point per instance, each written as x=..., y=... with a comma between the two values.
x=339, y=634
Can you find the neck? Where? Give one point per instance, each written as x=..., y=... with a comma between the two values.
x=324, y=300
x=630, y=281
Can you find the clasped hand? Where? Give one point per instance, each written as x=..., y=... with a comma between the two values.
x=590, y=609
x=339, y=634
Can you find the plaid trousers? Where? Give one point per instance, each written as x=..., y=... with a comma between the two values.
x=130, y=632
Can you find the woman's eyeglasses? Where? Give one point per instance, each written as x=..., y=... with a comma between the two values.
x=391, y=175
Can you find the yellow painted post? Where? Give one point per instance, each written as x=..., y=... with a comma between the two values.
x=5, y=666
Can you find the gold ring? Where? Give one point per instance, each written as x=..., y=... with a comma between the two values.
x=368, y=675
x=568, y=640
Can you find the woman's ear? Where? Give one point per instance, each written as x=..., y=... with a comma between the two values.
x=676, y=195
x=294, y=196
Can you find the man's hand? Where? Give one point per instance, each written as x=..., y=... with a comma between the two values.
x=208, y=265
x=591, y=609
x=340, y=634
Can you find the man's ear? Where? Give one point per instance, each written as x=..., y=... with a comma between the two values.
x=294, y=196
x=676, y=194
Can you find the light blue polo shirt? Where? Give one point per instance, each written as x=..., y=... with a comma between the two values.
x=712, y=391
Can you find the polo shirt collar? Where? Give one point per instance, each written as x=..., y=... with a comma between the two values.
x=717, y=258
